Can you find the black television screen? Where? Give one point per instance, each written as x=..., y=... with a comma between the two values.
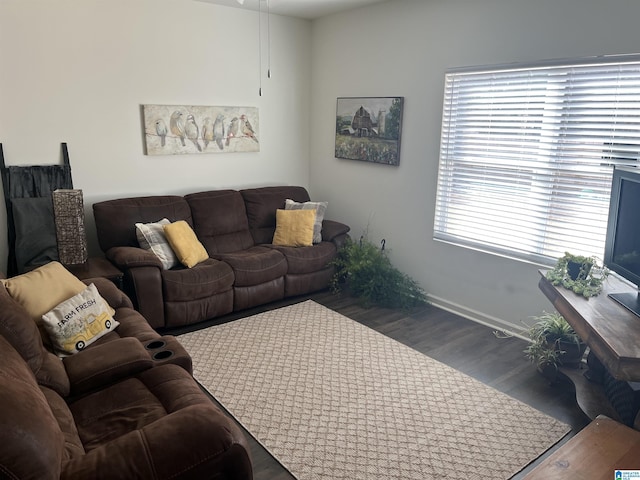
x=622, y=246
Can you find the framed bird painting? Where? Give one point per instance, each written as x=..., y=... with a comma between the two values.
x=183, y=129
x=369, y=129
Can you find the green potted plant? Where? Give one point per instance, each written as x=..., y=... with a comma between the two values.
x=581, y=274
x=366, y=272
x=554, y=343
x=578, y=266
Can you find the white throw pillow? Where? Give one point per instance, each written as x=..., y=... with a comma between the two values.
x=319, y=207
x=151, y=237
x=78, y=321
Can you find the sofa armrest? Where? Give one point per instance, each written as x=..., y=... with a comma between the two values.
x=115, y=297
x=332, y=230
x=198, y=441
x=142, y=281
x=107, y=363
x=131, y=257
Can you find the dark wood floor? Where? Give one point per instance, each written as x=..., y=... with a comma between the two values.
x=460, y=343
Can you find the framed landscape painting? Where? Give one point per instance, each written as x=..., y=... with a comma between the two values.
x=369, y=129
x=180, y=129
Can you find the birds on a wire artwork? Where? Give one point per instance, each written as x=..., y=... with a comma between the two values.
x=200, y=129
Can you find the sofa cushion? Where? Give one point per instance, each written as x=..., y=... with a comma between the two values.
x=17, y=327
x=132, y=324
x=151, y=237
x=261, y=205
x=158, y=424
x=134, y=403
x=206, y=279
x=72, y=444
x=31, y=439
x=220, y=221
x=185, y=244
x=319, y=207
x=116, y=219
x=294, y=228
x=255, y=265
x=308, y=259
x=79, y=321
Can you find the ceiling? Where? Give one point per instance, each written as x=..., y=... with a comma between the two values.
x=307, y=9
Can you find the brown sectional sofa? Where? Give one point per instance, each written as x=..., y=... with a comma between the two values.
x=126, y=407
x=243, y=270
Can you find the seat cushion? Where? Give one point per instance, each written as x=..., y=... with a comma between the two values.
x=134, y=403
x=255, y=265
x=132, y=324
x=307, y=259
x=203, y=280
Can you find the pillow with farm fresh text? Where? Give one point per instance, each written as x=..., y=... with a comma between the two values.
x=319, y=207
x=78, y=321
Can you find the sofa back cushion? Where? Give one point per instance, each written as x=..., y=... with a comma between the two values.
x=31, y=439
x=21, y=332
x=116, y=219
x=220, y=221
x=261, y=205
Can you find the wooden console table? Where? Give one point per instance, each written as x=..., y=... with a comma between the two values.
x=595, y=453
x=611, y=332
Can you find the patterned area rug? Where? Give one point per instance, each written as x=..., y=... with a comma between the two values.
x=333, y=399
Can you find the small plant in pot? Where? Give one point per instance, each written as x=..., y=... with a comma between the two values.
x=580, y=274
x=553, y=343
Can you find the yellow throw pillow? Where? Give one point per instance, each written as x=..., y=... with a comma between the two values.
x=39, y=290
x=185, y=244
x=294, y=228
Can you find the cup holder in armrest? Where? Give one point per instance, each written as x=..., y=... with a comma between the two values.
x=162, y=355
x=155, y=344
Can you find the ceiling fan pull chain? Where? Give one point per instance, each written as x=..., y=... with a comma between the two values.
x=268, y=40
x=260, y=47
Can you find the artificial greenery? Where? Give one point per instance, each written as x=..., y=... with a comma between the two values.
x=589, y=279
x=367, y=273
x=551, y=335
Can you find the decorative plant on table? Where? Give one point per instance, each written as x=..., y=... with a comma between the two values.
x=583, y=275
x=553, y=343
x=367, y=273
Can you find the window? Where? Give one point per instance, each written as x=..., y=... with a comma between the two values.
x=527, y=151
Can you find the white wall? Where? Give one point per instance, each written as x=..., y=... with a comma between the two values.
x=77, y=71
x=402, y=48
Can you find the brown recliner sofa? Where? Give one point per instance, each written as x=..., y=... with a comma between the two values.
x=243, y=269
x=111, y=411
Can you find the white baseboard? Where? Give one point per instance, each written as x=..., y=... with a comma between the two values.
x=487, y=320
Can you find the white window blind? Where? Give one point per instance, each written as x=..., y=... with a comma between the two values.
x=526, y=155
